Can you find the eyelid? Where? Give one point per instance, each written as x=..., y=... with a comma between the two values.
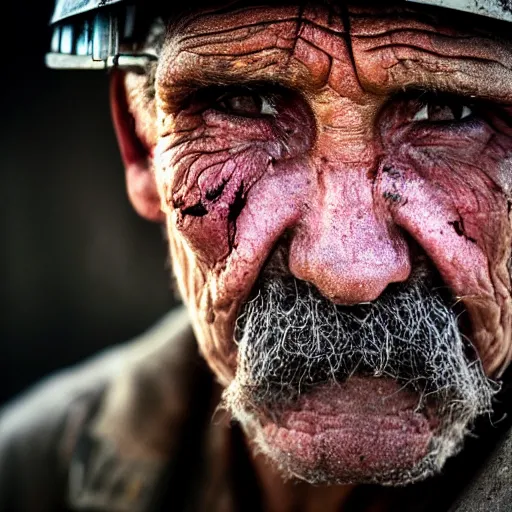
x=208, y=93
x=213, y=97
x=427, y=95
x=267, y=101
x=423, y=98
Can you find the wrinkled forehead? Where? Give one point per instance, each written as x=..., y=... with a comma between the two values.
x=390, y=46
x=457, y=14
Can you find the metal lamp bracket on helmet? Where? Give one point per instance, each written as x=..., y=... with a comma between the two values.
x=96, y=35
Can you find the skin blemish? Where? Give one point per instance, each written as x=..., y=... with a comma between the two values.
x=215, y=193
x=236, y=207
x=458, y=226
x=177, y=203
x=394, y=197
x=391, y=171
x=197, y=210
x=388, y=170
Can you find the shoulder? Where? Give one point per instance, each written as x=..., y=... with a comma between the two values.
x=39, y=429
x=31, y=430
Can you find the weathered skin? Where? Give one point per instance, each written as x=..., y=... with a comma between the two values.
x=337, y=162
x=342, y=168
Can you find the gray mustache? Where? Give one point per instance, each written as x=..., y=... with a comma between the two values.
x=291, y=338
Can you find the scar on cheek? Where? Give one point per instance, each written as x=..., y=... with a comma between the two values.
x=215, y=193
x=196, y=210
x=409, y=196
x=203, y=200
x=199, y=209
x=226, y=211
x=219, y=189
x=458, y=226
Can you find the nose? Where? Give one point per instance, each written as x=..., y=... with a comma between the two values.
x=348, y=249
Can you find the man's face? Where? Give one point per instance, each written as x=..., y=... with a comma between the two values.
x=335, y=182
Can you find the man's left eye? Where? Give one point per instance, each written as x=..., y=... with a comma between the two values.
x=443, y=111
x=246, y=105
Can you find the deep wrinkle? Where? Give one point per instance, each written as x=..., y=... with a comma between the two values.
x=402, y=135
x=349, y=119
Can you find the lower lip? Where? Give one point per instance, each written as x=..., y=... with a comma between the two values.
x=358, y=430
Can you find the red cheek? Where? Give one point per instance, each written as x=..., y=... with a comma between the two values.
x=440, y=181
x=207, y=214
x=218, y=162
x=431, y=214
x=444, y=184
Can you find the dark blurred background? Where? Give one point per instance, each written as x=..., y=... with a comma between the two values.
x=81, y=270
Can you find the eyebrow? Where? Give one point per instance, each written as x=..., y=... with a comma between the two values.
x=184, y=86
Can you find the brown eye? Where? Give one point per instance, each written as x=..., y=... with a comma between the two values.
x=248, y=105
x=439, y=111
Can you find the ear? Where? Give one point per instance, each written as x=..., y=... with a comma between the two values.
x=135, y=144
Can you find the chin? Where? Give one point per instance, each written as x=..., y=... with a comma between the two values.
x=364, y=430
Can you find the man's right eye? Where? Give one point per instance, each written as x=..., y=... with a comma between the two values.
x=246, y=104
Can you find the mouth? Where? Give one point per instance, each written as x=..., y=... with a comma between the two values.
x=363, y=430
x=376, y=393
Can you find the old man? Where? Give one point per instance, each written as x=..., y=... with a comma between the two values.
x=335, y=182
